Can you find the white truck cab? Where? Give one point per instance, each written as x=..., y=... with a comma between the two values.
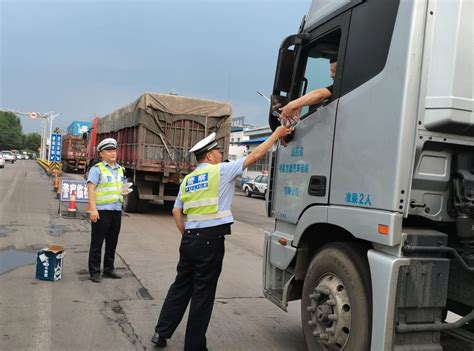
x=373, y=197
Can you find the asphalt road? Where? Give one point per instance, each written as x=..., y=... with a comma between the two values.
x=251, y=210
x=76, y=314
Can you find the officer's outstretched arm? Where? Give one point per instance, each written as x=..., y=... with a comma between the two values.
x=261, y=150
x=178, y=219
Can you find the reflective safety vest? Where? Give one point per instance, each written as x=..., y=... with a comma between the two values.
x=200, y=194
x=108, y=189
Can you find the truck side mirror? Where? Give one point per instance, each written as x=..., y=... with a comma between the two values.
x=286, y=61
x=284, y=70
x=278, y=102
x=283, y=79
x=284, y=74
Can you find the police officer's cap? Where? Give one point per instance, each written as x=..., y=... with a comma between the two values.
x=107, y=144
x=205, y=145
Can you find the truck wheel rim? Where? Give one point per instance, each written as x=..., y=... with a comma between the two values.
x=330, y=312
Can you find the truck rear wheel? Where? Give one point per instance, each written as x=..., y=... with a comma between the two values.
x=336, y=302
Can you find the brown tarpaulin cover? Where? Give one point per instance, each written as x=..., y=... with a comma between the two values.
x=153, y=110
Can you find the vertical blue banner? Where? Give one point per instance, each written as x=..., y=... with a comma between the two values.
x=55, y=148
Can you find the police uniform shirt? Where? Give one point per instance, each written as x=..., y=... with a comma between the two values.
x=94, y=177
x=229, y=171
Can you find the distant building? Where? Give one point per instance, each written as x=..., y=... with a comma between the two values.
x=237, y=135
x=239, y=126
x=236, y=152
x=253, y=138
x=240, y=122
x=244, y=138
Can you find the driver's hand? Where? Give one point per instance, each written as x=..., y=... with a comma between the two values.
x=290, y=113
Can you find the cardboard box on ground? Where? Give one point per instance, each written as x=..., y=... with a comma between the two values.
x=49, y=263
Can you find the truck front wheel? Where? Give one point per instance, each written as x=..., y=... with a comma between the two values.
x=336, y=302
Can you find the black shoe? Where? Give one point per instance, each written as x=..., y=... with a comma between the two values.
x=111, y=275
x=158, y=340
x=96, y=278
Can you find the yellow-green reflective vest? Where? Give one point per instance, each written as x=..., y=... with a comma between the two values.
x=108, y=189
x=200, y=194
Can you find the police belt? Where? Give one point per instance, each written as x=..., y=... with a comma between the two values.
x=208, y=233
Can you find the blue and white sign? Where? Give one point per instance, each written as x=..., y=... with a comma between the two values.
x=55, y=148
x=78, y=187
x=199, y=182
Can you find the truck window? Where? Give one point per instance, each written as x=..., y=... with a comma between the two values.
x=317, y=73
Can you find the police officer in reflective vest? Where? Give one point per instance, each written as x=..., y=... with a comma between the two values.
x=105, y=190
x=205, y=197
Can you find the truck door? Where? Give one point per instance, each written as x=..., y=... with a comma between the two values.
x=301, y=171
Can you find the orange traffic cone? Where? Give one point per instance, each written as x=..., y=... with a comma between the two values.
x=71, y=208
x=56, y=182
x=53, y=174
x=58, y=194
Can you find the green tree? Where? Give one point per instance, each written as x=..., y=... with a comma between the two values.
x=11, y=136
x=32, y=142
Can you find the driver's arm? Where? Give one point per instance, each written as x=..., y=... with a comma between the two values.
x=293, y=108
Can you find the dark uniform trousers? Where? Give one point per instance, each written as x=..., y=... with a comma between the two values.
x=108, y=228
x=200, y=264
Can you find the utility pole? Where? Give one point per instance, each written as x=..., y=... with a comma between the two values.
x=45, y=118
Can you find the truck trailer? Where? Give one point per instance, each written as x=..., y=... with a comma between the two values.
x=373, y=197
x=73, y=153
x=154, y=134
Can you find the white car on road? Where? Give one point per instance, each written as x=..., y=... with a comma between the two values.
x=8, y=156
x=258, y=186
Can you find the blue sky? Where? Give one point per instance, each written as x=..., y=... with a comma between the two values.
x=82, y=58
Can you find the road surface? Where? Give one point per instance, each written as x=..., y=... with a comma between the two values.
x=76, y=314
